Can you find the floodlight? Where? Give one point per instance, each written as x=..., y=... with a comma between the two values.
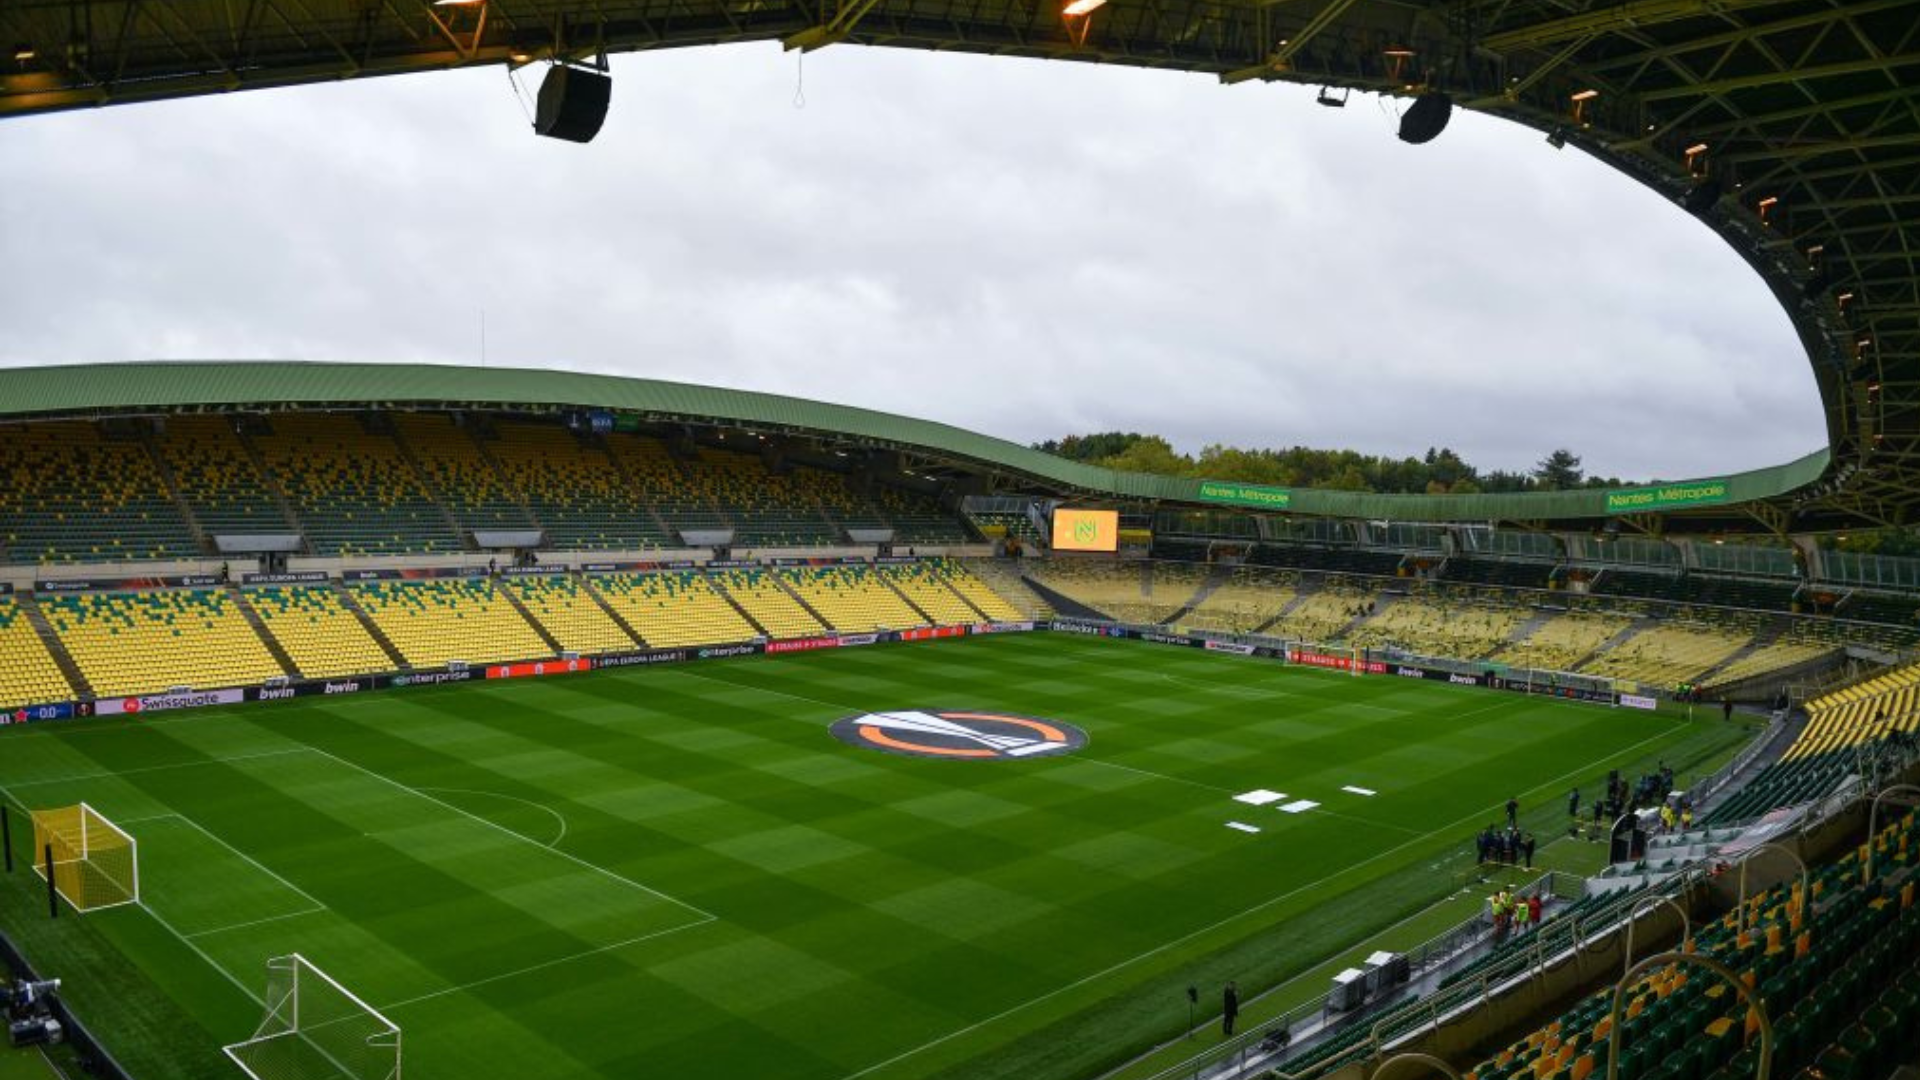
x=1083, y=7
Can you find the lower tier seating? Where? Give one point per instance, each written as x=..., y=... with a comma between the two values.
x=319, y=634
x=770, y=605
x=128, y=644
x=852, y=599
x=28, y=674
x=441, y=620
x=674, y=608
x=569, y=613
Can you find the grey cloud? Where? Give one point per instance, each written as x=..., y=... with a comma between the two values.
x=1021, y=248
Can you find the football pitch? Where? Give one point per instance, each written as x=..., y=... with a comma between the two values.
x=679, y=872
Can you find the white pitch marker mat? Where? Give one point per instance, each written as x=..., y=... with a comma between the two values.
x=1259, y=797
x=1300, y=806
x=1243, y=826
x=1359, y=790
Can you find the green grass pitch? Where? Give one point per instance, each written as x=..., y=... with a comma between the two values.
x=677, y=872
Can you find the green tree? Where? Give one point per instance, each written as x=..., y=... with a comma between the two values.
x=1559, y=471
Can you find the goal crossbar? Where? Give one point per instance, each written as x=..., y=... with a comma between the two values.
x=314, y=1027
x=94, y=864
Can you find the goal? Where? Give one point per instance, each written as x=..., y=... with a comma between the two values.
x=95, y=863
x=316, y=1029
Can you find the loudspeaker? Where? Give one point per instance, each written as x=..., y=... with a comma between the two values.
x=573, y=103
x=1426, y=117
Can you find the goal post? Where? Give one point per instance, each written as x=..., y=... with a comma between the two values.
x=316, y=1029
x=95, y=863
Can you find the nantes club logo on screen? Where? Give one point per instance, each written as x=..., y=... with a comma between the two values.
x=965, y=735
x=1086, y=531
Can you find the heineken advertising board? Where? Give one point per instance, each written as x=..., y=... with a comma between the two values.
x=1256, y=496
x=1680, y=496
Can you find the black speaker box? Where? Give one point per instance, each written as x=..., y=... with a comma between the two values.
x=1426, y=118
x=573, y=103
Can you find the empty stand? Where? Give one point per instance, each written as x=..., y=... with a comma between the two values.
x=322, y=637
x=28, y=673
x=353, y=490
x=70, y=494
x=128, y=644
x=467, y=484
x=582, y=498
x=570, y=615
x=927, y=589
x=674, y=608
x=770, y=605
x=437, y=621
x=217, y=479
x=852, y=599
x=983, y=594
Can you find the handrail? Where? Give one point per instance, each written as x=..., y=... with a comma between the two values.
x=1873, y=823
x=1613, y=1013
x=1428, y=1060
x=1633, y=922
x=1806, y=883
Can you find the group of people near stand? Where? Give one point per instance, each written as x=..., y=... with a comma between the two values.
x=1513, y=914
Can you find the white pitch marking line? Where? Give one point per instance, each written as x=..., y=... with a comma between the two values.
x=202, y=954
x=574, y=859
x=1298, y=806
x=251, y=861
x=569, y=958
x=257, y=922
x=1261, y=906
x=1259, y=797
x=1359, y=790
x=555, y=814
x=1243, y=826
x=161, y=768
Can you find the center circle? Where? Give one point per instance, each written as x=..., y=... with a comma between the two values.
x=964, y=735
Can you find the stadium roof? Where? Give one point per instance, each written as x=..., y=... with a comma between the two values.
x=1791, y=127
x=1743, y=502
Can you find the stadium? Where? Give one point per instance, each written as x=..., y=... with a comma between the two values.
x=361, y=720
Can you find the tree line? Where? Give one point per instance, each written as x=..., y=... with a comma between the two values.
x=1440, y=471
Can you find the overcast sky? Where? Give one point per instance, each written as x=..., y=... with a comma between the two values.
x=1021, y=248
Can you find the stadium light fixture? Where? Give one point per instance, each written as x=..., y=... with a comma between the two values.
x=1557, y=138
x=24, y=52
x=1586, y=95
x=1079, y=8
x=1326, y=97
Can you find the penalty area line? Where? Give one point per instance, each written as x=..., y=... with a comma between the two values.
x=544, y=965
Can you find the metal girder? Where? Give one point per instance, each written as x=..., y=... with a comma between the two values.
x=1630, y=16
x=1772, y=78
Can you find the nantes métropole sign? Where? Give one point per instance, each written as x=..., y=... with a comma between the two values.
x=1253, y=495
x=1688, y=493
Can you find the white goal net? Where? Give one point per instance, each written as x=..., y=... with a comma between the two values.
x=316, y=1029
x=93, y=862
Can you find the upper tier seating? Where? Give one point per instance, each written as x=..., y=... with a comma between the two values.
x=569, y=613
x=674, y=608
x=575, y=490
x=467, y=483
x=1127, y=592
x=768, y=510
x=67, y=494
x=926, y=588
x=852, y=599
x=440, y=620
x=771, y=606
x=217, y=479
x=683, y=499
x=354, y=492
x=129, y=644
x=28, y=674
x=1509, y=573
x=320, y=635
x=917, y=519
